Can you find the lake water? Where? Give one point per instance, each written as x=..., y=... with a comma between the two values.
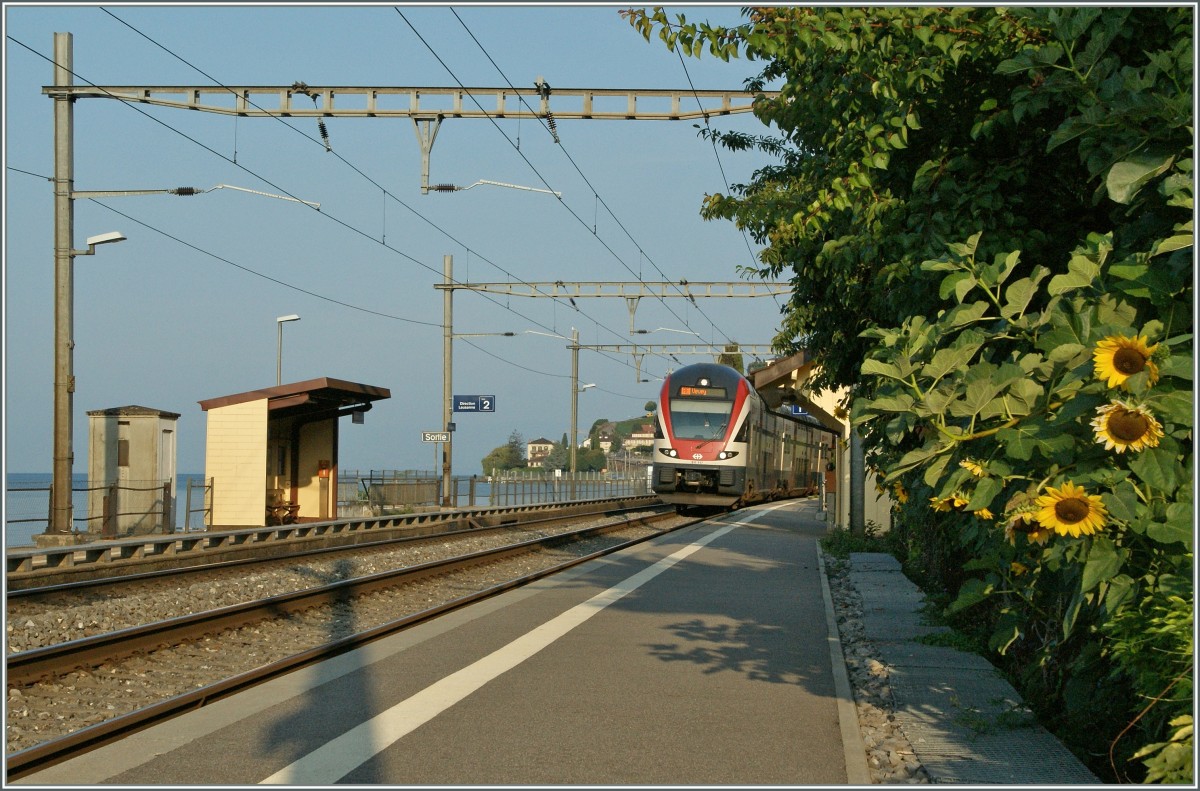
x=21, y=504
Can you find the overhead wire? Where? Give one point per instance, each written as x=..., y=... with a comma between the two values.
x=534, y=168
x=600, y=200
x=247, y=269
x=360, y=172
x=283, y=283
x=294, y=198
x=716, y=154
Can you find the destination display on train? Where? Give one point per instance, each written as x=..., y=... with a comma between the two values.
x=701, y=392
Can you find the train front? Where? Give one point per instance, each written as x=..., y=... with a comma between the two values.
x=700, y=439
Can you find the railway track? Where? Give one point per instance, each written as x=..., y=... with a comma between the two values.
x=59, y=594
x=100, y=687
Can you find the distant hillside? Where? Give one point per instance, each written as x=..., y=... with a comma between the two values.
x=622, y=428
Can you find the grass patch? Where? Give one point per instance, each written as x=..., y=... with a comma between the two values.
x=955, y=640
x=839, y=542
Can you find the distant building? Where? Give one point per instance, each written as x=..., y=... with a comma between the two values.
x=605, y=436
x=643, y=437
x=537, y=450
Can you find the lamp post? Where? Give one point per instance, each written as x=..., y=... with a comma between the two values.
x=279, y=322
x=64, y=364
x=575, y=391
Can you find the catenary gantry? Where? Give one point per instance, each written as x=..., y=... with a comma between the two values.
x=301, y=100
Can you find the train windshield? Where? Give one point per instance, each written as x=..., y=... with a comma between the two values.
x=700, y=419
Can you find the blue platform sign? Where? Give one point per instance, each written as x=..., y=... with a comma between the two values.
x=474, y=403
x=798, y=410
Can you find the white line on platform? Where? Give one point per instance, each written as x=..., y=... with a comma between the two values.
x=335, y=759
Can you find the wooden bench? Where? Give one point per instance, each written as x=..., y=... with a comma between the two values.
x=282, y=513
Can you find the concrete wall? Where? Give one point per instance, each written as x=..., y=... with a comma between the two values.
x=877, y=507
x=236, y=461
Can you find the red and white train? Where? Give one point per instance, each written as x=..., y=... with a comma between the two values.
x=717, y=443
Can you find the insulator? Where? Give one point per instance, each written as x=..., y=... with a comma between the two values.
x=444, y=188
x=324, y=134
x=185, y=191
x=553, y=127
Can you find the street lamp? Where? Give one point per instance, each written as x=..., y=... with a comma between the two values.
x=64, y=374
x=575, y=421
x=60, y=523
x=279, y=346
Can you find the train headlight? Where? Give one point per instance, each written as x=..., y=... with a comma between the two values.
x=727, y=454
x=668, y=452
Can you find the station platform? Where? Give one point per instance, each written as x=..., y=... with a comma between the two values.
x=708, y=656
x=701, y=657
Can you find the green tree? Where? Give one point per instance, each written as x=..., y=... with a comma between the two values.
x=731, y=357
x=985, y=215
x=508, y=456
x=590, y=460
x=559, y=457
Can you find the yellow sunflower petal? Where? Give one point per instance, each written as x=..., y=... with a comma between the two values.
x=974, y=467
x=1071, y=511
x=1121, y=426
x=1119, y=357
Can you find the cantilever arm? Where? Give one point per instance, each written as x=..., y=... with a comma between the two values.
x=456, y=188
x=265, y=194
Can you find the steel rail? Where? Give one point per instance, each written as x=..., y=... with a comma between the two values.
x=101, y=558
x=27, y=667
x=513, y=523
x=32, y=759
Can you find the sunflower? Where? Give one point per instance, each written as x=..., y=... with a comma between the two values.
x=1024, y=522
x=973, y=467
x=1119, y=357
x=984, y=513
x=1070, y=511
x=900, y=492
x=1018, y=569
x=1121, y=425
x=955, y=502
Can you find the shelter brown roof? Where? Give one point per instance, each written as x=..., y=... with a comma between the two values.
x=312, y=395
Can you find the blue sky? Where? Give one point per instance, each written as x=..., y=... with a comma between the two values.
x=185, y=309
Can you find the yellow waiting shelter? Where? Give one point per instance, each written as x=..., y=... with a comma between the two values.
x=271, y=454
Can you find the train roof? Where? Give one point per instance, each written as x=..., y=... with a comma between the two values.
x=704, y=374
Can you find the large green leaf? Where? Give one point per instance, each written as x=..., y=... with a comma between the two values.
x=1117, y=591
x=896, y=402
x=1179, y=526
x=1103, y=563
x=879, y=368
x=971, y=593
x=1023, y=397
x=1035, y=435
x=1017, y=297
x=946, y=361
x=1127, y=177
x=1157, y=468
x=985, y=492
x=1081, y=272
x=915, y=458
x=1122, y=502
